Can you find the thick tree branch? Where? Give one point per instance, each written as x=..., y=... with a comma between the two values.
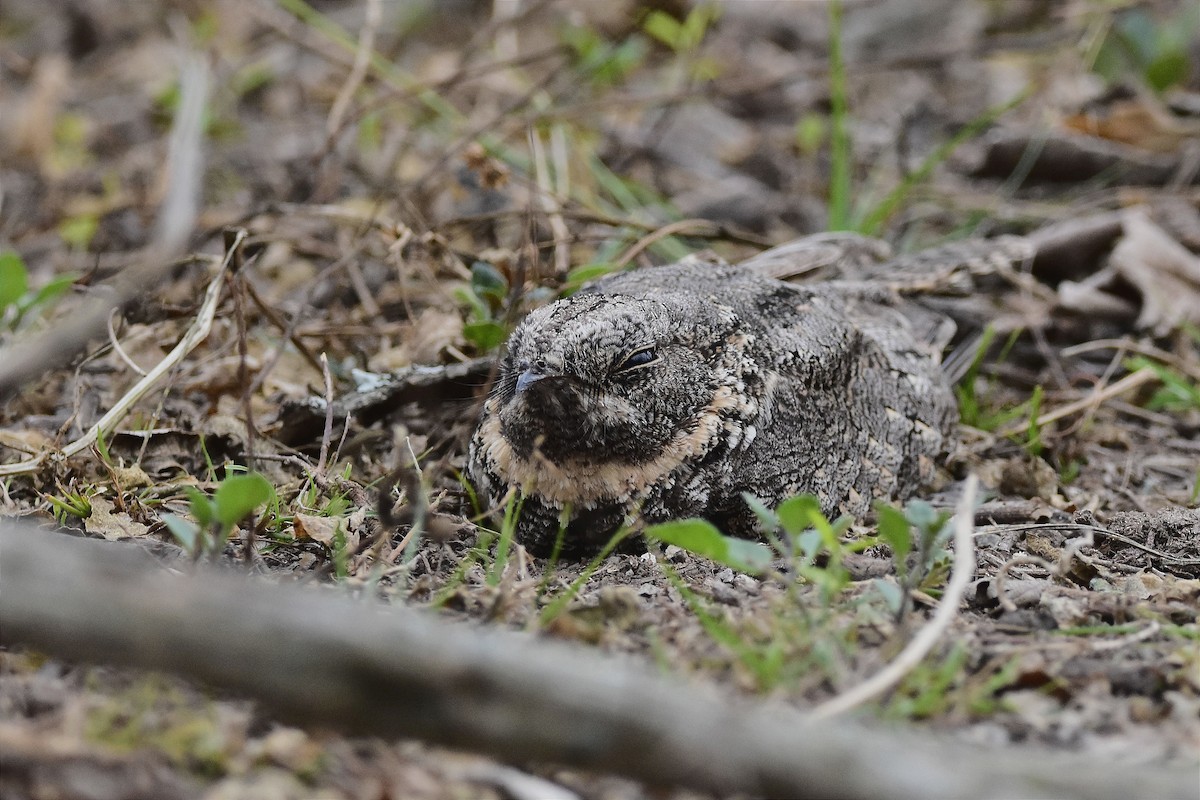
x=315, y=656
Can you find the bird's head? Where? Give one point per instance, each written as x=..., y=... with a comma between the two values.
x=603, y=378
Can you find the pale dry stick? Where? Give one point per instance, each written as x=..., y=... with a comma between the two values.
x=365, y=296
x=505, y=43
x=337, y=213
x=1062, y=567
x=511, y=781
x=960, y=576
x=1114, y=364
x=197, y=333
x=549, y=203
x=562, y=188
x=120, y=351
x=29, y=358
x=327, y=433
x=1092, y=400
x=1000, y=583
x=658, y=234
x=1134, y=638
x=1191, y=370
x=1093, y=530
x=289, y=330
x=358, y=71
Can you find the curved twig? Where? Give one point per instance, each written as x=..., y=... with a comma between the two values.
x=923, y=642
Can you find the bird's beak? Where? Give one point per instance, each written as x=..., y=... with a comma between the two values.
x=527, y=379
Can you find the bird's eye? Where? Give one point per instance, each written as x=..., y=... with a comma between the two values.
x=639, y=358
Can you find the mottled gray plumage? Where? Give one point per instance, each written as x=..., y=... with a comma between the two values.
x=670, y=391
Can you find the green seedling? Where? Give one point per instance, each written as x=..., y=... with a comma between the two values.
x=508, y=530
x=577, y=277
x=603, y=63
x=798, y=637
x=1178, y=392
x=1138, y=44
x=685, y=39
x=151, y=715
x=704, y=539
x=765, y=661
x=480, y=552
x=917, y=537
x=77, y=505
x=925, y=691
x=20, y=304
x=564, y=521
x=485, y=297
x=215, y=518
x=1033, y=430
x=559, y=604
x=811, y=536
x=869, y=220
x=980, y=411
x=947, y=685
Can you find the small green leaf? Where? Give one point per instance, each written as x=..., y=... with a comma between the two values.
x=201, y=506
x=78, y=231
x=811, y=131
x=766, y=517
x=696, y=25
x=1167, y=69
x=892, y=595
x=922, y=515
x=581, y=275
x=238, y=496
x=702, y=538
x=486, y=336
x=14, y=278
x=798, y=514
x=467, y=297
x=894, y=531
x=487, y=281
x=809, y=544
x=51, y=291
x=184, y=531
x=665, y=28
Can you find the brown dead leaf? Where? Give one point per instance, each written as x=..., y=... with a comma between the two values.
x=28, y=442
x=324, y=530
x=1068, y=610
x=1021, y=476
x=106, y=521
x=433, y=331
x=132, y=477
x=1165, y=272
x=1141, y=122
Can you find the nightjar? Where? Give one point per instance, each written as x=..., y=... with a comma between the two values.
x=669, y=392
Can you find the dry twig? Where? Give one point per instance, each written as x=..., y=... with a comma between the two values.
x=947, y=610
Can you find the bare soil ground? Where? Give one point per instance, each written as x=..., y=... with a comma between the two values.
x=411, y=178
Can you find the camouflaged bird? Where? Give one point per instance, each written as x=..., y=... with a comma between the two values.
x=668, y=392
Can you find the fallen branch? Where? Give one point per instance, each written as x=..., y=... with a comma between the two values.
x=302, y=420
x=371, y=669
